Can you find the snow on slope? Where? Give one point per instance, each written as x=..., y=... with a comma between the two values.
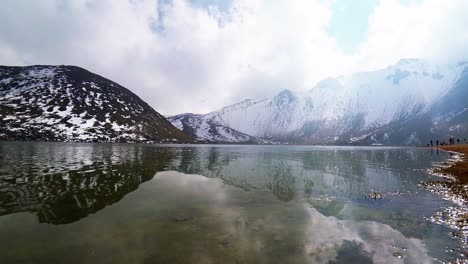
x=343, y=108
x=67, y=103
x=205, y=129
x=382, y=96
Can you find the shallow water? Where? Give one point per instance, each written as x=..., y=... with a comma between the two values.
x=131, y=203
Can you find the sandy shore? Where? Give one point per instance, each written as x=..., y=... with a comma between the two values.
x=460, y=169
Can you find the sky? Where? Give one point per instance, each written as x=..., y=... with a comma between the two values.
x=201, y=55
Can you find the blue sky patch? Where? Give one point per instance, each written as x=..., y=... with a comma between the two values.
x=349, y=23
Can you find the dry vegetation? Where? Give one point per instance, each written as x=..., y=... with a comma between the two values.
x=460, y=169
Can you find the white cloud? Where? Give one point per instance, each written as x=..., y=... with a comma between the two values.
x=430, y=29
x=198, y=59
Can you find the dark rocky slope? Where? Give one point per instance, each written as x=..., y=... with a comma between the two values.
x=68, y=103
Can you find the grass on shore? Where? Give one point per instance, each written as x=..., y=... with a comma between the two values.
x=460, y=169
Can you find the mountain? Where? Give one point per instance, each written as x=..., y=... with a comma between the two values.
x=447, y=116
x=407, y=103
x=205, y=129
x=68, y=103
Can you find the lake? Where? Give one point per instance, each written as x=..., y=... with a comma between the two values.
x=144, y=203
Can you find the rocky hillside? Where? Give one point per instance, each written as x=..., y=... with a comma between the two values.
x=68, y=103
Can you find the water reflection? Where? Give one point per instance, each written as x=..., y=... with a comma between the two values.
x=297, y=172
x=365, y=241
x=202, y=204
x=63, y=183
x=262, y=234
x=193, y=219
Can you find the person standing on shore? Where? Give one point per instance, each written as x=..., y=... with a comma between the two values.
x=432, y=143
x=458, y=141
x=437, y=142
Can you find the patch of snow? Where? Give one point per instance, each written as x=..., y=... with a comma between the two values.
x=117, y=127
x=6, y=80
x=9, y=117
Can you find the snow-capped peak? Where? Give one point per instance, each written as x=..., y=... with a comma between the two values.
x=336, y=108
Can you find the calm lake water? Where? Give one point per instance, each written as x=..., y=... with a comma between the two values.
x=131, y=203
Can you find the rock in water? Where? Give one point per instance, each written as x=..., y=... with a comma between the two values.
x=68, y=103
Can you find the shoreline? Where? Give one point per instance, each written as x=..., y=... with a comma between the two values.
x=459, y=170
x=454, y=189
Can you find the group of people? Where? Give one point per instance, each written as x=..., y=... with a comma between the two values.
x=451, y=142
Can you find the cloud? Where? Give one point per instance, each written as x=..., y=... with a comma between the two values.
x=184, y=57
x=429, y=29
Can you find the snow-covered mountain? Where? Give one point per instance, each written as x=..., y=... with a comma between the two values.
x=205, y=128
x=68, y=103
x=368, y=107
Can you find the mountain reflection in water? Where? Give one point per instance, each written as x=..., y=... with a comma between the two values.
x=63, y=183
x=253, y=203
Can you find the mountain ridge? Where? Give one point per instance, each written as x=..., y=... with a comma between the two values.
x=353, y=109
